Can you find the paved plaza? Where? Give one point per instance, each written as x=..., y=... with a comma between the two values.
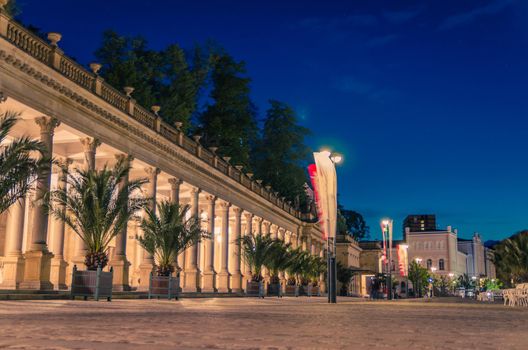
x=236, y=323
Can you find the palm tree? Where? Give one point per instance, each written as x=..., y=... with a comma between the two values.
x=511, y=258
x=18, y=170
x=98, y=205
x=297, y=264
x=255, y=250
x=279, y=259
x=168, y=232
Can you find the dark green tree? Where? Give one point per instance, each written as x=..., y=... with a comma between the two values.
x=352, y=223
x=418, y=275
x=170, y=78
x=281, y=156
x=229, y=122
x=511, y=259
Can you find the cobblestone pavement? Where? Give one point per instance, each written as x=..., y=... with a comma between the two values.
x=235, y=323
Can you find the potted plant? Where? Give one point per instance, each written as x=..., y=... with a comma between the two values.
x=255, y=250
x=166, y=233
x=279, y=260
x=294, y=269
x=97, y=205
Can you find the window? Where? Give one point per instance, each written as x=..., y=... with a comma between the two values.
x=441, y=265
x=429, y=264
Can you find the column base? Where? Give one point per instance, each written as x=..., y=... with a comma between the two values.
x=191, y=279
x=208, y=282
x=121, y=266
x=236, y=282
x=222, y=284
x=37, y=271
x=145, y=269
x=58, y=273
x=13, y=271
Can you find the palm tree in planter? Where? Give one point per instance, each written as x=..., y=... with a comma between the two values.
x=18, y=170
x=97, y=205
x=167, y=232
x=317, y=266
x=255, y=251
x=279, y=260
x=295, y=270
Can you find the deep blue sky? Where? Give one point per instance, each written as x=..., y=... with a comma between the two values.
x=428, y=101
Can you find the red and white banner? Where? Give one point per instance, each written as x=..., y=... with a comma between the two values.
x=403, y=259
x=324, y=181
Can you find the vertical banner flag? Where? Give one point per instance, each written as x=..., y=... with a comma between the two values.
x=324, y=181
x=403, y=259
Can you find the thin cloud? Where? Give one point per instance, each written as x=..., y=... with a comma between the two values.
x=466, y=17
x=382, y=40
x=350, y=84
x=334, y=23
x=398, y=17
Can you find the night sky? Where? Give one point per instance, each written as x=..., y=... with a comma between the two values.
x=427, y=100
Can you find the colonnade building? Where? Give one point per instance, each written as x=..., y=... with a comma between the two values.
x=85, y=123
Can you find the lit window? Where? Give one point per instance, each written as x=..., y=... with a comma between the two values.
x=429, y=263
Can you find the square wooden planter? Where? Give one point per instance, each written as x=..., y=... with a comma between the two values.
x=255, y=289
x=166, y=287
x=92, y=284
x=291, y=290
x=274, y=290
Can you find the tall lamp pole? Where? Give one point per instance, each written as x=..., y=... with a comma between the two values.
x=332, y=268
x=386, y=226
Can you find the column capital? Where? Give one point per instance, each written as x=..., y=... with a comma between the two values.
x=90, y=144
x=258, y=219
x=47, y=124
x=152, y=171
x=274, y=227
x=238, y=211
x=122, y=157
x=211, y=199
x=175, y=182
x=62, y=164
x=224, y=205
x=249, y=216
x=195, y=190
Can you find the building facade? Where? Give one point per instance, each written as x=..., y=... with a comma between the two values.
x=85, y=123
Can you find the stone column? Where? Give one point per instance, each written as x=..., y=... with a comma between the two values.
x=209, y=274
x=274, y=231
x=266, y=232
x=234, y=266
x=281, y=236
x=192, y=272
x=38, y=259
x=175, y=185
x=258, y=230
x=147, y=264
x=246, y=271
x=119, y=261
x=58, y=265
x=89, y=149
x=223, y=276
x=14, y=260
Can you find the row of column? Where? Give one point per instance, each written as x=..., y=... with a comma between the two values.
x=40, y=269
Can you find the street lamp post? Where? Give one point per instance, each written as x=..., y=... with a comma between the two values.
x=386, y=226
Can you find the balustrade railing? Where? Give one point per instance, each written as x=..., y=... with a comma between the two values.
x=50, y=55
